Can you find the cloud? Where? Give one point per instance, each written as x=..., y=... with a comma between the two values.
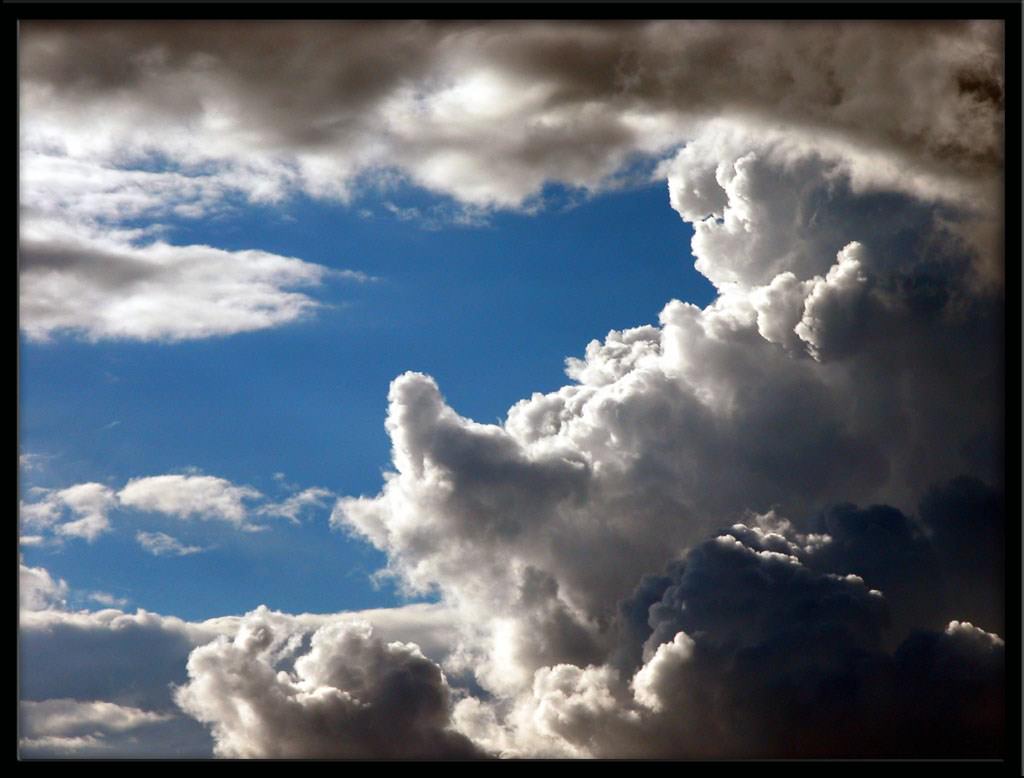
x=88, y=503
x=830, y=371
x=37, y=590
x=349, y=696
x=754, y=641
x=293, y=506
x=101, y=288
x=187, y=496
x=87, y=268
x=750, y=653
x=104, y=598
x=181, y=495
x=185, y=120
x=851, y=324
x=28, y=461
x=489, y=113
x=65, y=726
x=665, y=556
x=162, y=544
x=105, y=670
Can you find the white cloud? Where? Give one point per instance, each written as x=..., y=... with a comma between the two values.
x=350, y=696
x=70, y=718
x=88, y=503
x=186, y=496
x=293, y=506
x=833, y=366
x=110, y=670
x=106, y=599
x=181, y=495
x=28, y=461
x=56, y=745
x=650, y=682
x=162, y=544
x=102, y=288
x=37, y=590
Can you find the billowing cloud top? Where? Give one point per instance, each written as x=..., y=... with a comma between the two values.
x=769, y=527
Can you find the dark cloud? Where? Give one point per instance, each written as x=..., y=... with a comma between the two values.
x=587, y=94
x=755, y=652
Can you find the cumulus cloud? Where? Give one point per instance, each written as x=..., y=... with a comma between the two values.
x=851, y=324
x=751, y=652
x=179, y=495
x=38, y=590
x=188, y=496
x=87, y=503
x=349, y=696
x=741, y=649
x=100, y=683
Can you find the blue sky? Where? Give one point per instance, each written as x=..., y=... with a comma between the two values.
x=308, y=400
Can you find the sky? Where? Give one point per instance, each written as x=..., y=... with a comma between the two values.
x=469, y=390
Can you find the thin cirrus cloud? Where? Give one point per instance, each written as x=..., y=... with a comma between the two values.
x=292, y=507
x=769, y=527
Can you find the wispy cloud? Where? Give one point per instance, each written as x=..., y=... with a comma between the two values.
x=162, y=544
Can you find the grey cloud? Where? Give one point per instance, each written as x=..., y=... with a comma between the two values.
x=486, y=113
x=72, y=725
x=349, y=696
x=587, y=94
x=110, y=668
x=784, y=660
x=832, y=367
